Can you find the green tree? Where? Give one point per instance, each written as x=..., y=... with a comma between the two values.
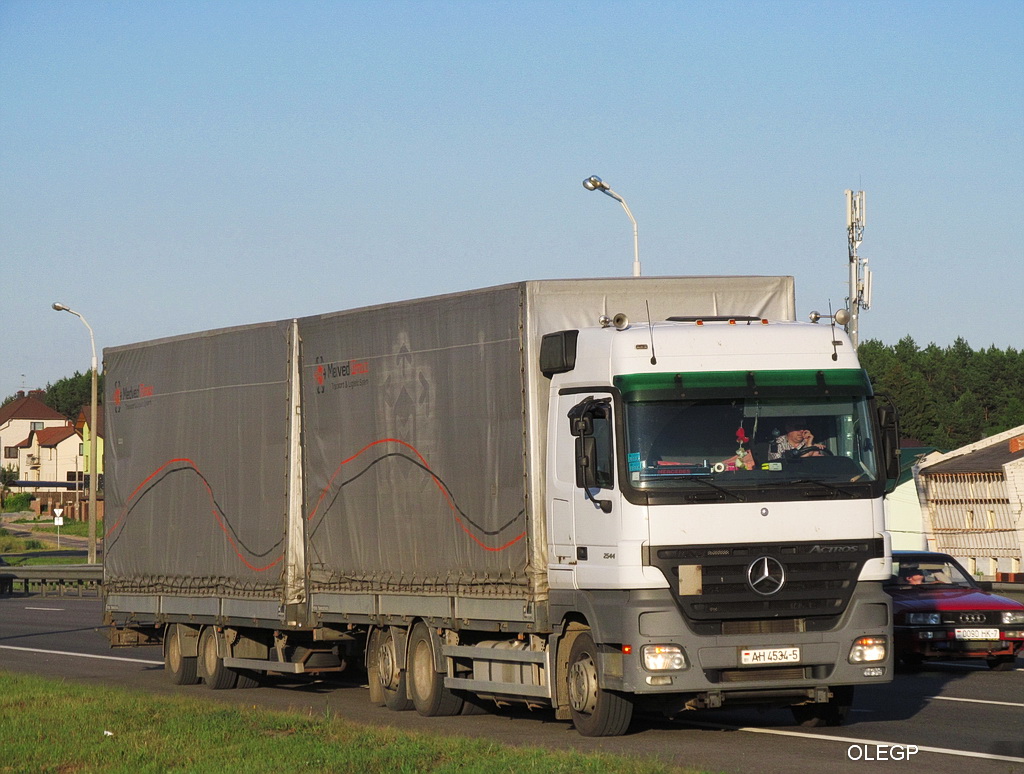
x=70, y=394
x=8, y=476
x=948, y=396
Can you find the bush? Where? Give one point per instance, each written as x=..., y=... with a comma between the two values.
x=18, y=502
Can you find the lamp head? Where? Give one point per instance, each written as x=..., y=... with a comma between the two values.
x=60, y=307
x=594, y=183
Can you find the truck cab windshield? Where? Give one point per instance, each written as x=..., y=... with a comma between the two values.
x=749, y=429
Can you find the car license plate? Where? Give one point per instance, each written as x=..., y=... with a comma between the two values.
x=977, y=634
x=770, y=656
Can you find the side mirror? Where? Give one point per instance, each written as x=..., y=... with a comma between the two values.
x=581, y=424
x=888, y=422
x=586, y=459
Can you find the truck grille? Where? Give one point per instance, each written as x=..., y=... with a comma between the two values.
x=797, y=580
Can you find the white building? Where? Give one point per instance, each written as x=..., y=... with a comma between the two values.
x=17, y=420
x=52, y=456
x=903, y=507
x=972, y=504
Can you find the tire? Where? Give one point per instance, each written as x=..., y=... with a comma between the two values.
x=1003, y=664
x=911, y=662
x=246, y=678
x=180, y=669
x=831, y=713
x=211, y=666
x=373, y=682
x=426, y=684
x=595, y=711
x=473, y=704
x=389, y=673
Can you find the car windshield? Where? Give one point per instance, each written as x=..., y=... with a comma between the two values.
x=742, y=429
x=928, y=572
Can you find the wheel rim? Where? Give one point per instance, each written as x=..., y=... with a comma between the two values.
x=210, y=654
x=386, y=663
x=174, y=652
x=583, y=685
x=423, y=669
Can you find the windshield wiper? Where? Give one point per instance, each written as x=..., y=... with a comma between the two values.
x=830, y=487
x=707, y=480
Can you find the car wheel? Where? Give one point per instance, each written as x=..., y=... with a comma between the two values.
x=1003, y=664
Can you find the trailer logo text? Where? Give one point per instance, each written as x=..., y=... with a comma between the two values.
x=127, y=396
x=342, y=375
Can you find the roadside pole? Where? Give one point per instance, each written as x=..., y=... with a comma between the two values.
x=58, y=522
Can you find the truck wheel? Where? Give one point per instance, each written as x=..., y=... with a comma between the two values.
x=426, y=684
x=595, y=711
x=211, y=666
x=390, y=675
x=831, y=713
x=181, y=669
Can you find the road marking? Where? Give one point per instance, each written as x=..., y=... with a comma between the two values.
x=53, y=609
x=81, y=655
x=852, y=741
x=980, y=701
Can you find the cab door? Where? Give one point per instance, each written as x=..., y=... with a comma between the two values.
x=584, y=513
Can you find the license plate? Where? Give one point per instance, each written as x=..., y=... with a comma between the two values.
x=977, y=634
x=770, y=656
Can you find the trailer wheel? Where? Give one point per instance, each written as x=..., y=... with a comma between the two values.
x=426, y=684
x=595, y=711
x=211, y=666
x=831, y=713
x=181, y=669
x=390, y=676
x=246, y=678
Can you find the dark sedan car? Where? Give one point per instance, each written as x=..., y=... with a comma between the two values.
x=941, y=613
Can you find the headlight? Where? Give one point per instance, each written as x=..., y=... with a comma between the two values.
x=1013, y=617
x=868, y=649
x=661, y=658
x=927, y=619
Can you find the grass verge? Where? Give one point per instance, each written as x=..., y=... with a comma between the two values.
x=25, y=546
x=57, y=726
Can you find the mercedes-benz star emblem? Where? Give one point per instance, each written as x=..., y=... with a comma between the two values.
x=766, y=575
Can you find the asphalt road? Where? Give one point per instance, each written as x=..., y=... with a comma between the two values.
x=960, y=717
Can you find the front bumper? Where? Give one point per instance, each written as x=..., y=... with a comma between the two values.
x=715, y=672
x=939, y=642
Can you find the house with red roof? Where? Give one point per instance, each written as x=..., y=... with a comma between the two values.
x=18, y=419
x=51, y=456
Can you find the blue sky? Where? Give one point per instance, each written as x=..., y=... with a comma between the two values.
x=167, y=167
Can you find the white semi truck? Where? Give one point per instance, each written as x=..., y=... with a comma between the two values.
x=594, y=495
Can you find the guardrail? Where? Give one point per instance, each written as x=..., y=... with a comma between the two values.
x=57, y=580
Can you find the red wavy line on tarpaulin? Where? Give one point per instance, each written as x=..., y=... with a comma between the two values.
x=437, y=482
x=216, y=515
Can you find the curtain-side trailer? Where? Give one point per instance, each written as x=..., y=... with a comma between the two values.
x=570, y=493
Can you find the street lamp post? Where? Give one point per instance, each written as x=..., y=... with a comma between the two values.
x=594, y=183
x=93, y=432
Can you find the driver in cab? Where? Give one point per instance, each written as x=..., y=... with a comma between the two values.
x=797, y=441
